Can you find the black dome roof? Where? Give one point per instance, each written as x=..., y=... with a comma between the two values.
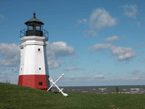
x=34, y=20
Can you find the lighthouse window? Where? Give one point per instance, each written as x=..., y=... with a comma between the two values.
x=30, y=27
x=39, y=68
x=38, y=49
x=40, y=83
x=37, y=27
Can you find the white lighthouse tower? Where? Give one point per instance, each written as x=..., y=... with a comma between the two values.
x=33, y=65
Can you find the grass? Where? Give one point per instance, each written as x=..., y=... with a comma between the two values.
x=20, y=97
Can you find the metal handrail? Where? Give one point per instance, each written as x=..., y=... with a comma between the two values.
x=45, y=33
x=24, y=33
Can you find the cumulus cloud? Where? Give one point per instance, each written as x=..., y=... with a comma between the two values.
x=99, y=76
x=10, y=63
x=122, y=52
x=100, y=18
x=134, y=72
x=88, y=32
x=141, y=44
x=72, y=68
x=131, y=13
x=10, y=53
x=113, y=39
x=57, y=50
x=52, y=64
x=84, y=21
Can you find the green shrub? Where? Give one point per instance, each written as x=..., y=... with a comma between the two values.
x=117, y=90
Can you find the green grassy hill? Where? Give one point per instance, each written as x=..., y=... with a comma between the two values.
x=20, y=97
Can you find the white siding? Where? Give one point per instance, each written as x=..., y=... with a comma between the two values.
x=31, y=58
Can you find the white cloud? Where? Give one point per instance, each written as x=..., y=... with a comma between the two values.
x=82, y=77
x=141, y=44
x=122, y=52
x=10, y=62
x=99, y=76
x=100, y=19
x=59, y=49
x=10, y=53
x=131, y=13
x=72, y=68
x=113, y=39
x=135, y=78
x=72, y=78
x=1, y=17
x=52, y=64
x=88, y=32
x=84, y=21
x=79, y=78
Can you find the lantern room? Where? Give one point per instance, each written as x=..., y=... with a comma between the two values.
x=34, y=27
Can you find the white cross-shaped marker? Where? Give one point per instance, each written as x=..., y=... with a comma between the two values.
x=54, y=83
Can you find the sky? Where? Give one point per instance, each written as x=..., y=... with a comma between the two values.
x=93, y=42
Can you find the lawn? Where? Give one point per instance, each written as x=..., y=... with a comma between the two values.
x=20, y=97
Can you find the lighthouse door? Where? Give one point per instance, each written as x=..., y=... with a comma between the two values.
x=28, y=83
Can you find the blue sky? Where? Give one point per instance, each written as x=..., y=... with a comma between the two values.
x=94, y=43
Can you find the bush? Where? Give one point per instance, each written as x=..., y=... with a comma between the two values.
x=117, y=90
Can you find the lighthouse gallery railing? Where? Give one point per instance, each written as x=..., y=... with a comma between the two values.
x=23, y=33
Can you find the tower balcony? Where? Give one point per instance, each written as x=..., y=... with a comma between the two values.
x=27, y=33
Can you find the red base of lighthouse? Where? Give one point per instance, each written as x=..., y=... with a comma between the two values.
x=34, y=81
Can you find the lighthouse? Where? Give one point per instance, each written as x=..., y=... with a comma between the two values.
x=33, y=70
